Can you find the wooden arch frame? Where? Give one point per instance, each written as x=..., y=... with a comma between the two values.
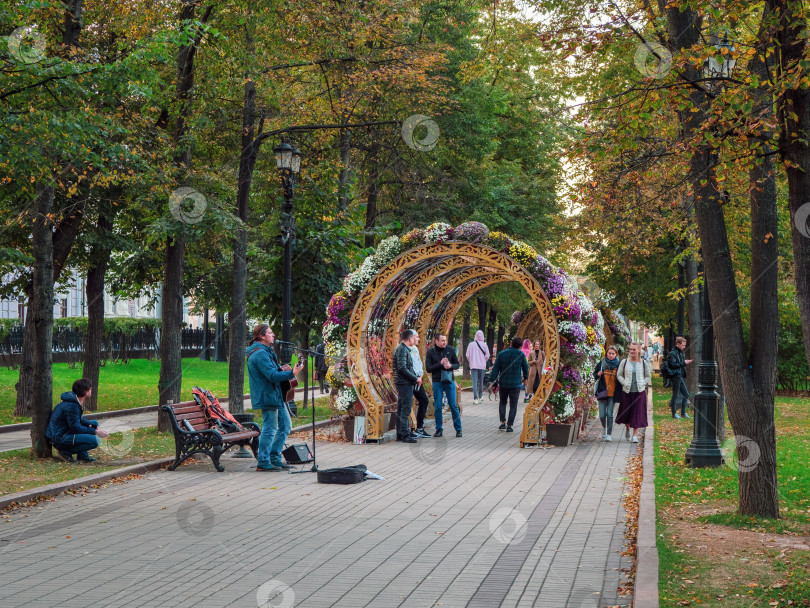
x=469, y=268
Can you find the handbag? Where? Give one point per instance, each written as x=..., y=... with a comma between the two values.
x=447, y=376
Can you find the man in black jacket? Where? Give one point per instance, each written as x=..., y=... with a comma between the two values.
x=677, y=368
x=69, y=431
x=442, y=358
x=405, y=380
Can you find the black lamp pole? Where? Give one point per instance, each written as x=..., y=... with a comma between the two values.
x=705, y=449
x=288, y=162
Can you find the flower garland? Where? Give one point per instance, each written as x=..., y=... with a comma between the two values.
x=579, y=322
x=472, y=232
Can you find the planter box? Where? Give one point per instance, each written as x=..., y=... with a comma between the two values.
x=561, y=435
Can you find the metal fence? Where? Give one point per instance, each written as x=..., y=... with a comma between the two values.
x=115, y=345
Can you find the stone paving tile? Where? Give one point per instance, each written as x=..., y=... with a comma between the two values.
x=456, y=522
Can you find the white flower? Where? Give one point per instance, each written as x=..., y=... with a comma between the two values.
x=586, y=306
x=436, y=233
x=345, y=399
x=356, y=282
x=387, y=250
x=332, y=332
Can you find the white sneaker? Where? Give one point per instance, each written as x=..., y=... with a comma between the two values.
x=608, y=438
x=635, y=438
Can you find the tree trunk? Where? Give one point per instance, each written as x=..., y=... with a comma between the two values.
x=793, y=108
x=345, y=174
x=465, y=340
x=25, y=380
x=94, y=290
x=493, y=319
x=171, y=369
x=482, y=314
x=72, y=24
x=750, y=397
x=238, y=314
x=373, y=193
x=693, y=301
x=41, y=315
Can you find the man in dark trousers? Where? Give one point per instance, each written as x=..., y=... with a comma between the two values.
x=513, y=369
x=69, y=431
x=405, y=380
x=321, y=367
x=441, y=361
x=265, y=375
x=677, y=363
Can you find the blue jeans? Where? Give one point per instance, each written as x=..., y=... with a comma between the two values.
x=478, y=382
x=77, y=444
x=440, y=389
x=276, y=425
x=679, y=392
x=606, y=409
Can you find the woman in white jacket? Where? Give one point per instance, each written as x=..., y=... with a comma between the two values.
x=634, y=376
x=478, y=355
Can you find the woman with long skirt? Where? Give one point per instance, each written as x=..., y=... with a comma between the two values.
x=634, y=376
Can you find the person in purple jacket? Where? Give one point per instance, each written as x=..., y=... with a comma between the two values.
x=70, y=432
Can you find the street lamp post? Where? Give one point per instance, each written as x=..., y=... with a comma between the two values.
x=705, y=449
x=288, y=163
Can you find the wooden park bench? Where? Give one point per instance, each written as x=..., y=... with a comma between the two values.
x=204, y=439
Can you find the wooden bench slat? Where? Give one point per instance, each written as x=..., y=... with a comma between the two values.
x=183, y=409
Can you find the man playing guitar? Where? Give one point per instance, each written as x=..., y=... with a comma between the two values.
x=265, y=377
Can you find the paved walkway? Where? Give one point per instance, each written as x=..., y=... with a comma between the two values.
x=472, y=521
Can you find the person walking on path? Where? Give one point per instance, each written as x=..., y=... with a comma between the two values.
x=321, y=367
x=405, y=379
x=608, y=391
x=477, y=355
x=265, y=375
x=677, y=368
x=419, y=392
x=440, y=361
x=70, y=432
x=537, y=363
x=511, y=369
x=634, y=377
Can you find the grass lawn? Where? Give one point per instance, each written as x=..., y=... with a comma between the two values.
x=122, y=386
x=710, y=556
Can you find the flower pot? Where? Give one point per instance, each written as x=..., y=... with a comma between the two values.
x=348, y=427
x=389, y=421
x=559, y=434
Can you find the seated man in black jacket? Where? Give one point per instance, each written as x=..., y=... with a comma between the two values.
x=441, y=361
x=69, y=431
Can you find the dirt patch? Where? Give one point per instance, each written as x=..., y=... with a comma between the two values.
x=716, y=539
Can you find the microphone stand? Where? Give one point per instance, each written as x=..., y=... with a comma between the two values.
x=314, y=468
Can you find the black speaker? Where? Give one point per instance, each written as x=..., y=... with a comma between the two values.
x=297, y=454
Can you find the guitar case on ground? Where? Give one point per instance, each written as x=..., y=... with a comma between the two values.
x=343, y=475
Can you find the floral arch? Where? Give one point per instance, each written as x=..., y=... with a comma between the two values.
x=420, y=281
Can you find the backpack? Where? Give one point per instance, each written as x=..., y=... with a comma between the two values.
x=219, y=418
x=665, y=373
